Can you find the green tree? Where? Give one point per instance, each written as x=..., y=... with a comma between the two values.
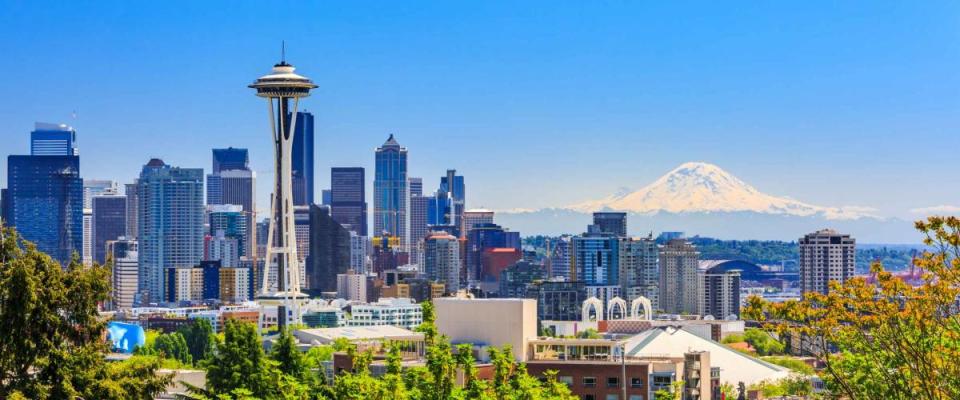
x=200, y=338
x=174, y=346
x=762, y=342
x=589, y=334
x=289, y=359
x=884, y=339
x=51, y=333
x=240, y=363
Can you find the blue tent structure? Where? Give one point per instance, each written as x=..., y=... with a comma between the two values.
x=125, y=337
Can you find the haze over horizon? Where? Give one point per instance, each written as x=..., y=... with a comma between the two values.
x=830, y=104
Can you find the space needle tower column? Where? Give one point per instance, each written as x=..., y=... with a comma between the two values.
x=283, y=89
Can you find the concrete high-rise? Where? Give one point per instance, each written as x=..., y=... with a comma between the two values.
x=442, y=260
x=228, y=221
x=302, y=160
x=53, y=140
x=719, y=292
x=133, y=202
x=825, y=256
x=170, y=223
x=348, y=198
x=109, y=223
x=639, y=269
x=44, y=202
x=329, y=251
x=679, y=288
x=611, y=222
x=292, y=135
x=125, y=271
x=390, y=193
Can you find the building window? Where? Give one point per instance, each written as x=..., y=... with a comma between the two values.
x=588, y=397
x=636, y=397
x=613, y=397
x=589, y=381
x=566, y=379
x=613, y=382
x=636, y=382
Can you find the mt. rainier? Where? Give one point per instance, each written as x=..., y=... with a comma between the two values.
x=698, y=187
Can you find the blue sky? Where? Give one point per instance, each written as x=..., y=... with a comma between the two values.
x=537, y=103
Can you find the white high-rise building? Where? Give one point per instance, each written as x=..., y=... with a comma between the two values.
x=352, y=286
x=639, y=269
x=826, y=256
x=442, y=260
x=719, y=292
x=359, y=253
x=679, y=288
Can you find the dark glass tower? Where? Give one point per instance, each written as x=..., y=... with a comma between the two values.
x=329, y=251
x=230, y=158
x=348, y=198
x=302, y=160
x=109, y=223
x=44, y=202
x=390, y=191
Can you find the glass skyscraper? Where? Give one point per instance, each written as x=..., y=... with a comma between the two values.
x=109, y=223
x=170, y=223
x=596, y=258
x=348, y=198
x=390, y=194
x=302, y=160
x=53, y=140
x=44, y=202
x=233, y=182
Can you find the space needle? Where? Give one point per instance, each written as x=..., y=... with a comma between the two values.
x=283, y=89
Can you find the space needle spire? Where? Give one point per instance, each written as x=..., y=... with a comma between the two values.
x=283, y=89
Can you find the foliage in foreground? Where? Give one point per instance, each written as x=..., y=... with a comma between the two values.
x=51, y=343
x=889, y=340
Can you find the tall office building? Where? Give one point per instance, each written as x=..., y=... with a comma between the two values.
x=97, y=187
x=222, y=248
x=229, y=159
x=233, y=221
x=419, y=206
x=639, y=269
x=170, y=223
x=560, y=301
x=233, y=182
x=560, y=261
x=611, y=222
x=359, y=253
x=348, y=198
x=133, y=202
x=44, y=202
x=415, y=186
x=457, y=193
x=719, y=292
x=442, y=260
x=109, y=223
x=125, y=271
x=53, y=140
x=595, y=257
x=475, y=217
x=481, y=238
x=825, y=256
x=390, y=192
x=679, y=289
x=302, y=160
x=329, y=251
x=302, y=228
x=92, y=188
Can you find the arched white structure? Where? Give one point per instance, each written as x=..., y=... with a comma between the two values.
x=615, y=304
x=597, y=306
x=647, y=308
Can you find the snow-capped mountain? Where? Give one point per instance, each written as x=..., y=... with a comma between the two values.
x=698, y=187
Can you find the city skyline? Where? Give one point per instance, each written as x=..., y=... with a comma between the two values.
x=558, y=103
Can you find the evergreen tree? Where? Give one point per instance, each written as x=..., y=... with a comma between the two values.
x=173, y=346
x=199, y=337
x=51, y=333
x=289, y=359
x=240, y=363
